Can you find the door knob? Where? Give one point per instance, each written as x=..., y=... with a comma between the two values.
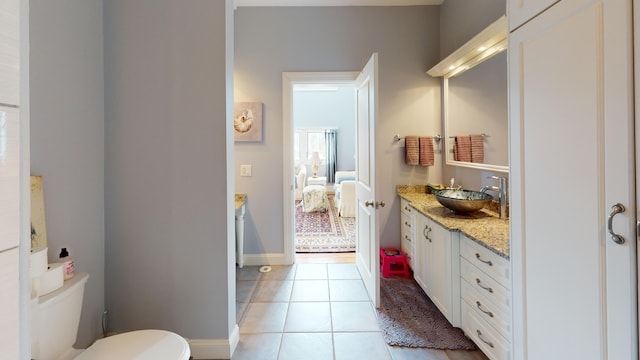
x=380, y=204
x=369, y=203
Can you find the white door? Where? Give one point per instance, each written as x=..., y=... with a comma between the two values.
x=636, y=65
x=572, y=159
x=368, y=238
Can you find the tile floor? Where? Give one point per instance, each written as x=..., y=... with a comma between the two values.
x=315, y=311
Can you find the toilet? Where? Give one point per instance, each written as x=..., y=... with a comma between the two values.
x=54, y=326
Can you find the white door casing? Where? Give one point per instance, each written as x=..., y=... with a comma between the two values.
x=368, y=237
x=571, y=160
x=636, y=66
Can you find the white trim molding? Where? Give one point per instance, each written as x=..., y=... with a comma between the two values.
x=266, y=259
x=215, y=348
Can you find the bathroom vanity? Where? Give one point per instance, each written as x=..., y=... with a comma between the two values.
x=462, y=264
x=240, y=201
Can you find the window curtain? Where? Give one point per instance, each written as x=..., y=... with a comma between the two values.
x=331, y=148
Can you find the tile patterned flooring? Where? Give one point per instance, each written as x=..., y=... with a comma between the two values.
x=315, y=311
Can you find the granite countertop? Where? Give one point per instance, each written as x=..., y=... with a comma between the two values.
x=484, y=226
x=241, y=199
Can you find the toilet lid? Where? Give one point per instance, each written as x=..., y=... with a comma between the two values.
x=139, y=345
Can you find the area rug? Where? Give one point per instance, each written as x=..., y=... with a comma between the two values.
x=408, y=318
x=324, y=231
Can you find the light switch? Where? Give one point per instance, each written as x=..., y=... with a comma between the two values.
x=245, y=170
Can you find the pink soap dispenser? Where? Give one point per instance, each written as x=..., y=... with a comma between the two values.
x=67, y=264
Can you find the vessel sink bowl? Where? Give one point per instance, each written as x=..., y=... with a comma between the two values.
x=463, y=201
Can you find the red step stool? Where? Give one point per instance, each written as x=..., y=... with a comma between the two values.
x=393, y=264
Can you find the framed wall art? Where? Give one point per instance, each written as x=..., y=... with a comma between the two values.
x=38, y=228
x=247, y=121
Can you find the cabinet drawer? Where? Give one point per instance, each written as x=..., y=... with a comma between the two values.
x=485, y=285
x=408, y=223
x=408, y=239
x=407, y=245
x=487, y=310
x=406, y=208
x=495, y=266
x=487, y=339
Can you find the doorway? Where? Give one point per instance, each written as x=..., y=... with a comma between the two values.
x=324, y=120
x=309, y=89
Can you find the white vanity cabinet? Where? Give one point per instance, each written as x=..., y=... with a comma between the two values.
x=408, y=230
x=437, y=268
x=486, y=299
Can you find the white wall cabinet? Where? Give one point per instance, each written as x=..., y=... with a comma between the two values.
x=520, y=11
x=11, y=330
x=437, y=268
x=571, y=160
x=9, y=52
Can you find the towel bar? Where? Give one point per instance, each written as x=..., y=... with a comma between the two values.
x=436, y=138
x=483, y=135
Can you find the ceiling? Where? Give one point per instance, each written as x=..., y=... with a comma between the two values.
x=336, y=2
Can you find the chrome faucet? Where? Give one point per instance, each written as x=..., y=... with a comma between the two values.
x=501, y=191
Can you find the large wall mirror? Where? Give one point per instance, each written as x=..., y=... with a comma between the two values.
x=475, y=100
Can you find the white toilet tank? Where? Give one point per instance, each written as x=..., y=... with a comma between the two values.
x=56, y=317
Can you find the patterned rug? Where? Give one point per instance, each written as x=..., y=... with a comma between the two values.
x=409, y=318
x=318, y=232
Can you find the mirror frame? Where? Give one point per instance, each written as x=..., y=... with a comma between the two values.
x=489, y=42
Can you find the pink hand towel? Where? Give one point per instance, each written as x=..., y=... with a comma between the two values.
x=411, y=150
x=477, y=148
x=426, y=151
x=462, y=148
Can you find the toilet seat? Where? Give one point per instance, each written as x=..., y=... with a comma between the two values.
x=139, y=345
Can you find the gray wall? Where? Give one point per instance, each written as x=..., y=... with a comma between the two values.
x=460, y=20
x=169, y=213
x=334, y=110
x=270, y=41
x=67, y=138
x=478, y=104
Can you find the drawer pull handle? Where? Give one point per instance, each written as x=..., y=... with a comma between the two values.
x=488, y=262
x=483, y=340
x=407, y=238
x=484, y=287
x=615, y=209
x=407, y=208
x=406, y=223
x=479, y=305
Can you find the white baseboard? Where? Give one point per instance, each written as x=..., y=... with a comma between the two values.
x=215, y=348
x=264, y=259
